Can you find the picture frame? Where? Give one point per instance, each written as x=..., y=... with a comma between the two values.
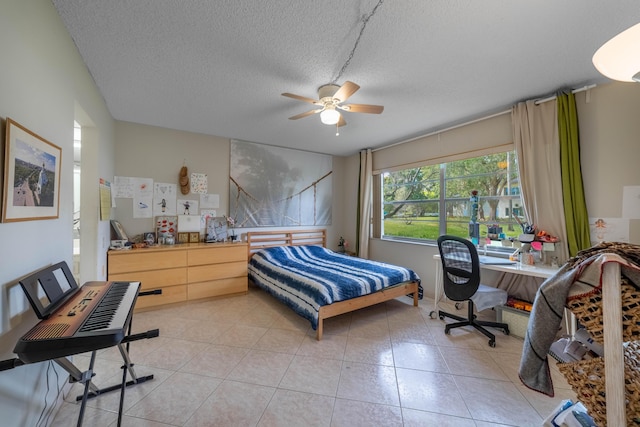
x=216, y=230
x=31, y=184
x=166, y=226
x=183, y=237
x=149, y=238
x=118, y=230
x=194, y=237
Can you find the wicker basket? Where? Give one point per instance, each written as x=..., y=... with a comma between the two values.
x=586, y=378
x=588, y=311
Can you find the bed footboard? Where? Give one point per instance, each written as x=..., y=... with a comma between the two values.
x=346, y=306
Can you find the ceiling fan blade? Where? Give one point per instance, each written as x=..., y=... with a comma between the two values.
x=362, y=108
x=305, y=114
x=300, y=98
x=342, y=121
x=346, y=90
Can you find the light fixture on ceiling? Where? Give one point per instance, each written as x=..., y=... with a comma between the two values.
x=332, y=96
x=618, y=58
x=330, y=116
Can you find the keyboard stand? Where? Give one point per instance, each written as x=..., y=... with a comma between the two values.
x=90, y=389
x=58, y=281
x=85, y=377
x=95, y=392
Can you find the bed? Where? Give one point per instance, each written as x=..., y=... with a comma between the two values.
x=317, y=283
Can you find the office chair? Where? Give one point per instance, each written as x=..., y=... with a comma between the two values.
x=461, y=280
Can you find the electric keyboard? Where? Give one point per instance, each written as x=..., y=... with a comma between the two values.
x=76, y=320
x=95, y=317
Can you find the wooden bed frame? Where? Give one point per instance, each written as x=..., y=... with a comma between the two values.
x=257, y=240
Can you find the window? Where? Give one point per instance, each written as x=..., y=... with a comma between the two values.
x=423, y=203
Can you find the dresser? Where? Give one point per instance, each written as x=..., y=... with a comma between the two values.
x=184, y=272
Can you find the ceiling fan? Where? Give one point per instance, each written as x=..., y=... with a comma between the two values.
x=331, y=98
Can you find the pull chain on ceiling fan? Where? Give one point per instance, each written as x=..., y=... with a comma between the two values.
x=331, y=96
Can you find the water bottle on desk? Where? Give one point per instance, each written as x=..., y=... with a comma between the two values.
x=526, y=255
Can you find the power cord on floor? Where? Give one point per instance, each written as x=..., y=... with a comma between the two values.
x=48, y=409
x=59, y=391
x=44, y=407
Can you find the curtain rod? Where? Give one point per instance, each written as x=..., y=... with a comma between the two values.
x=551, y=98
x=582, y=89
x=445, y=129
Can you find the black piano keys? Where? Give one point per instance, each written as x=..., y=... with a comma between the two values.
x=106, y=308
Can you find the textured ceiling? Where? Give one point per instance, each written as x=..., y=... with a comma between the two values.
x=218, y=67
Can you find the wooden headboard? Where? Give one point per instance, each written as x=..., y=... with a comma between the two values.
x=268, y=239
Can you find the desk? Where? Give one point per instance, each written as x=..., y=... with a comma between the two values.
x=541, y=271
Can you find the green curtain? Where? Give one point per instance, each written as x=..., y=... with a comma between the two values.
x=575, y=207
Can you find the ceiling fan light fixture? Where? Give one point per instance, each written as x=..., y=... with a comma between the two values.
x=618, y=58
x=330, y=116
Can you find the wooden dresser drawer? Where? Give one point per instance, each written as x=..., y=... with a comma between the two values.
x=216, y=288
x=154, y=279
x=143, y=261
x=170, y=294
x=202, y=273
x=218, y=254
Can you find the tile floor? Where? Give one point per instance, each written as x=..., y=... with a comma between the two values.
x=250, y=361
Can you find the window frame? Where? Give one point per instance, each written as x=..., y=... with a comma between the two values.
x=443, y=220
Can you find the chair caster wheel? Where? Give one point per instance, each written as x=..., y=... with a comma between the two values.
x=492, y=343
x=458, y=306
x=432, y=315
x=441, y=317
x=447, y=331
x=506, y=332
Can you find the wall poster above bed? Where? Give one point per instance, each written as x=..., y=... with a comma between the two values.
x=273, y=186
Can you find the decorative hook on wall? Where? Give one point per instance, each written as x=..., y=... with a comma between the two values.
x=183, y=178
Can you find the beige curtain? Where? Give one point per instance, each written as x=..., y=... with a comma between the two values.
x=364, y=203
x=535, y=133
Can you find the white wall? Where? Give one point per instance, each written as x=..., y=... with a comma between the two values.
x=158, y=153
x=45, y=86
x=610, y=148
x=43, y=82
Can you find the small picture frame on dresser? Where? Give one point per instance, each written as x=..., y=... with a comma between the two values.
x=194, y=237
x=183, y=237
x=149, y=238
x=216, y=230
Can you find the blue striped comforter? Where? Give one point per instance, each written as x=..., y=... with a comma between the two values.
x=308, y=277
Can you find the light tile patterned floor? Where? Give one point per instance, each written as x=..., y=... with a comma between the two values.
x=250, y=361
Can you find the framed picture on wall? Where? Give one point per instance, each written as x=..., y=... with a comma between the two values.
x=31, y=176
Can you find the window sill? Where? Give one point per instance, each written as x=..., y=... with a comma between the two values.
x=496, y=251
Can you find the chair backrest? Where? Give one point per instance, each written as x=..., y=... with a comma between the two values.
x=460, y=267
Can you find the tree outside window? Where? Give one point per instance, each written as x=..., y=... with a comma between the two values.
x=425, y=202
